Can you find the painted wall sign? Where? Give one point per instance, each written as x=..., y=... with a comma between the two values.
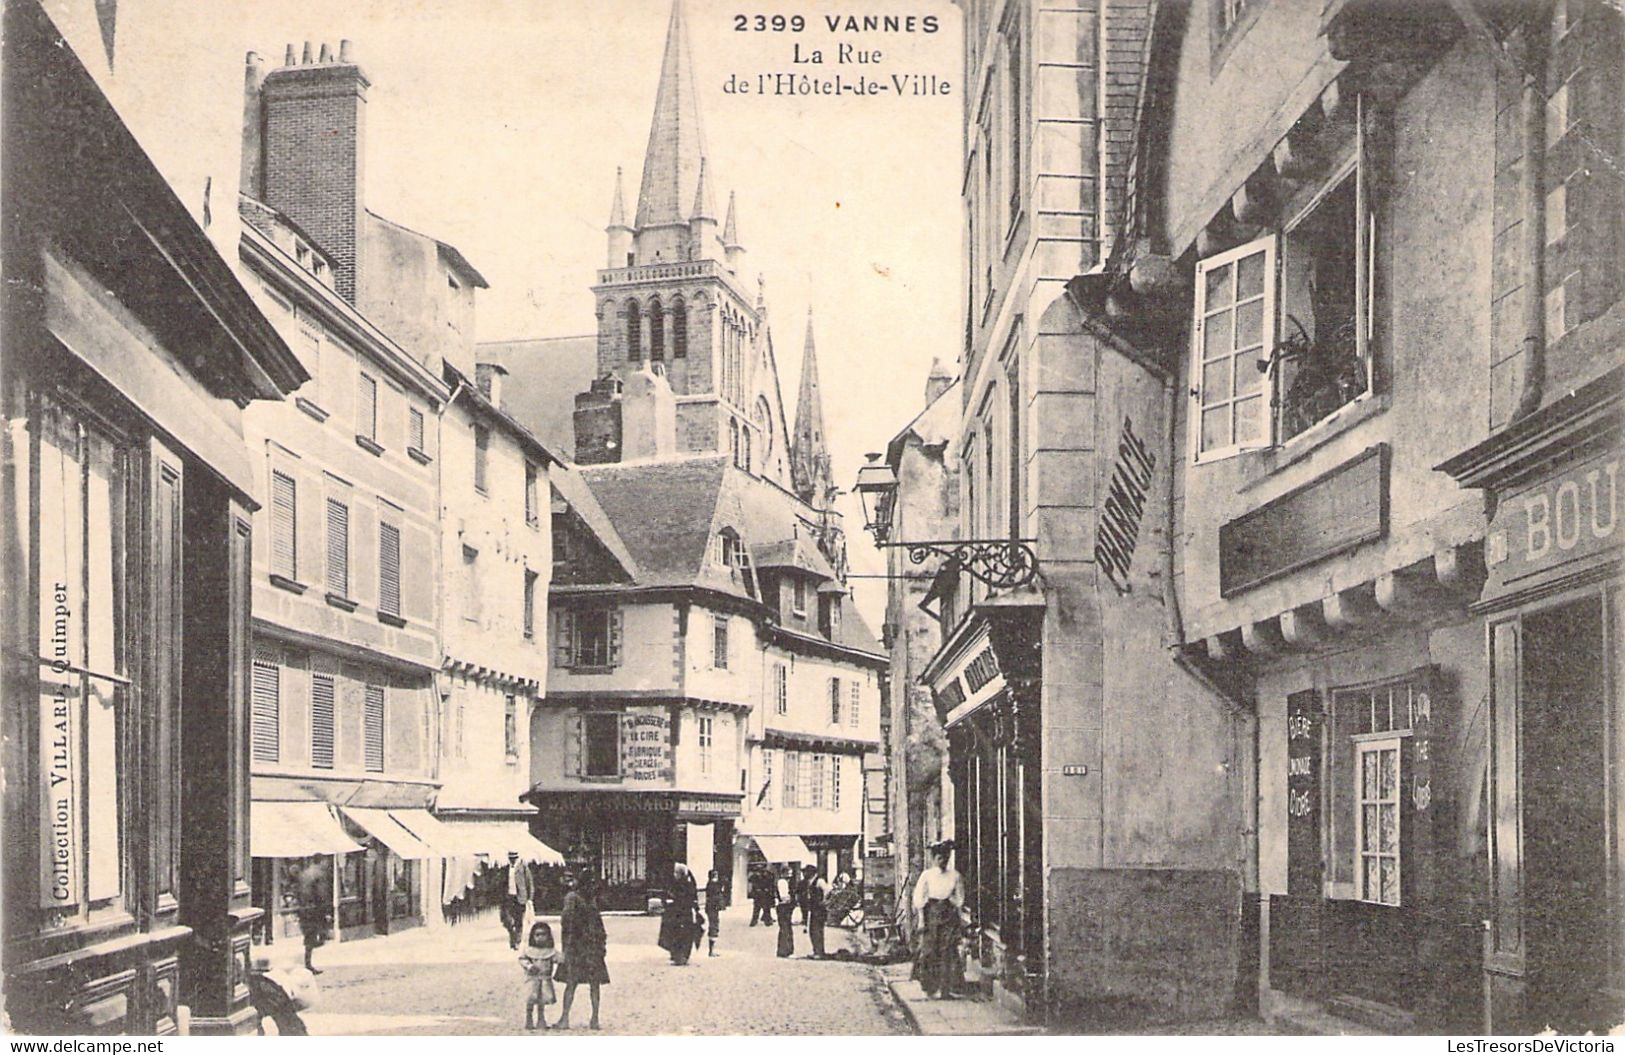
x=646, y=746
x=1562, y=519
x=622, y=802
x=1118, y=530
x=1303, y=723
x=1327, y=516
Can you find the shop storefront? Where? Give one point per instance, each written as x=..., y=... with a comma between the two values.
x=1554, y=951
x=984, y=682
x=632, y=839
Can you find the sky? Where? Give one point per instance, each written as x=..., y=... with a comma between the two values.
x=497, y=126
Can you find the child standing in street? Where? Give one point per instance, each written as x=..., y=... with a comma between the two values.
x=537, y=958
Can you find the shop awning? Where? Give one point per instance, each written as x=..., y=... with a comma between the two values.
x=381, y=825
x=296, y=829
x=494, y=839
x=429, y=830
x=781, y=848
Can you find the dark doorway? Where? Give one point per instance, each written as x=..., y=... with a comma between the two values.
x=1565, y=818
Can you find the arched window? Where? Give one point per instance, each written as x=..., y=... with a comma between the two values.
x=657, y=333
x=744, y=449
x=634, y=332
x=763, y=417
x=733, y=440
x=679, y=330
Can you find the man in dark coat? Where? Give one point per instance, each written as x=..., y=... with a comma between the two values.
x=813, y=892
x=761, y=897
x=315, y=908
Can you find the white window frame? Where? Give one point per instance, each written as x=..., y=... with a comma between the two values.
x=720, y=645
x=706, y=736
x=855, y=703
x=1269, y=245
x=1377, y=744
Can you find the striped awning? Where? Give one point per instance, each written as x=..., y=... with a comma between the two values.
x=296, y=829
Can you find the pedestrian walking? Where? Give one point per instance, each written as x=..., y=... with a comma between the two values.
x=516, y=900
x=538, y=959
x=814, y=893
x=786, y=904
x=582, y=947
x=678, y=922
x=938, y=895
x=762, y=897
x=798, y=890
x=716, y=899
x=315, y=908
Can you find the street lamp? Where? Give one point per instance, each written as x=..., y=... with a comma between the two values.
x=877, y=491
x=1000, y=563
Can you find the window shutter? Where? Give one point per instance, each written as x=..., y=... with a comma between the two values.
x=321, y=721
x=414, y=428
x=563, y=635
x=284, y=521
x=575, y=735
x=615, y=638
x=267, y=711
x=389, y=569
x=857, y=697
x=374, y=731
x=367, y=411
x=338, y=547
x=835, y=701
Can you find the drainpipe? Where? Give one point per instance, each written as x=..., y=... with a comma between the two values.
x=1533, y=106
x=1531, y=72
x=1245, y=733
x=440, y=586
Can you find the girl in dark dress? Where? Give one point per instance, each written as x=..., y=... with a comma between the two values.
x=582, y=947
x=677, y=922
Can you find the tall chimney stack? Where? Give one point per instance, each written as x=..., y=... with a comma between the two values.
x=312, y=151
x=250, y=182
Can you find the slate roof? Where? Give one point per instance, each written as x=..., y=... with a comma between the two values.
x=666, y=514
x=544, y=377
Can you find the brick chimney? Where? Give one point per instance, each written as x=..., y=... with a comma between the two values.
x=488, y=377
x=313, y=120
x=598, y=422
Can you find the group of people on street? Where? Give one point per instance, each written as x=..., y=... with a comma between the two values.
x=682, y=923
x=576, y=960
x=775, y=895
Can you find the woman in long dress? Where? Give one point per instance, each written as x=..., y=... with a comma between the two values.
x=938, y=896
x=582, y=946
x=677, y=922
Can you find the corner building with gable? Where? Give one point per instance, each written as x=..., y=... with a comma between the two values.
x=712, y=691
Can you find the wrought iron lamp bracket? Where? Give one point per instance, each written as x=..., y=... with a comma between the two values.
x=999, y=563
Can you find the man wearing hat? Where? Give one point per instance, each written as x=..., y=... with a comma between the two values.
x=517, y=898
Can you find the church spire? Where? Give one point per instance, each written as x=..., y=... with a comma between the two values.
x=810, y=475
x=672, y=163
x=620, y=235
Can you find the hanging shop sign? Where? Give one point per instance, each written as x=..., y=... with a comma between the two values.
x=1118, y=530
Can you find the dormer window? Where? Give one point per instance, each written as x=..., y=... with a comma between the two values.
x=730, y=552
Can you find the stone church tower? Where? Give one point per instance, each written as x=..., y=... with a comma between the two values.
x=676, y=325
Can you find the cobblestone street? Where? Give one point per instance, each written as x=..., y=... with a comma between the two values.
x=466, y=981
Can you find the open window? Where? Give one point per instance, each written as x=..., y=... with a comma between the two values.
x=1281, y=338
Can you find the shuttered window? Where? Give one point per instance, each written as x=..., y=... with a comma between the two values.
x=389, y=569
x=366, y=421
x=338, y=547
x=284, y=526
x=852, y=713
x=267, y=719
x=588, y=638
x=321, y=721
x=414, y=429
x=373, y=729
